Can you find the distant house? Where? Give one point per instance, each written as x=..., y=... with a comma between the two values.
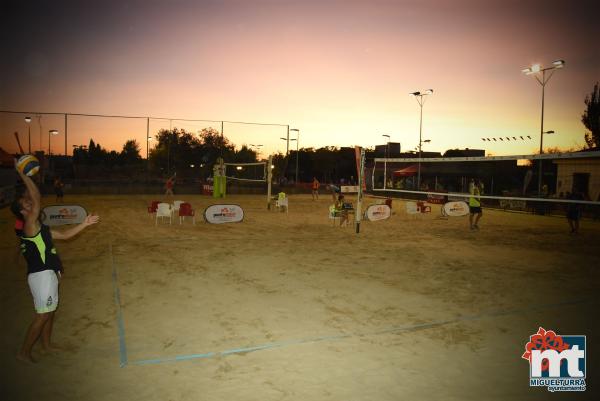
x=579, y=175
x=464, y=153
x=391, y=149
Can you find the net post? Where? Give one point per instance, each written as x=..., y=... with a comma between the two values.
x=385, y=174
x=269, y=179
x=361, y=173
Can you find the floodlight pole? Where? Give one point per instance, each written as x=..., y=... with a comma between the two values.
x=50, y=133
x=297, y=140
x=287, y=141
x=28, y=121
x=66, y=132
x=39, y=118
x=147, y=144
x=419, y=97
x=385, y=163
x=534, y=70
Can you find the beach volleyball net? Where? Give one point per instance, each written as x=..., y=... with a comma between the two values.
x=246, y=172
x=545, y=184
x=100, y=153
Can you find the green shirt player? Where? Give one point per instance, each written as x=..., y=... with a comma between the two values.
x=44, y=267
x=475, y=189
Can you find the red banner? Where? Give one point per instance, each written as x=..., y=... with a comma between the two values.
x=357, y=157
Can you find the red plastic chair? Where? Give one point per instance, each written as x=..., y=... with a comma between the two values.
x=185, y=209
x=423, y=207
x=152, y=208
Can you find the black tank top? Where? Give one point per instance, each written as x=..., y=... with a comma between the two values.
x=39, y=252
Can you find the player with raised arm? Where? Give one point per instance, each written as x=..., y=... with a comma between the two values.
x=44, y=267
x=169, y=184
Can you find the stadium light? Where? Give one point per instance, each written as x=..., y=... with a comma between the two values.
x=51, y=133
x=28, y=121
x=387, y=145
x=420, y=99
x=535, y=70
x=297, y=141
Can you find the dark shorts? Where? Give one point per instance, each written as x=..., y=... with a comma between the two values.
x=475, y=209
x=573, y=214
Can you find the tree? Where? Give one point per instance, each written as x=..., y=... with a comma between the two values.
x=178, y=150
x=591, y=118
x=245, y=155
x=130, y=153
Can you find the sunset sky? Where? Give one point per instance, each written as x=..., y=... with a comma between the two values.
x=339, y=71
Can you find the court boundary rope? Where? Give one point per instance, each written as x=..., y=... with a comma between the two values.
x=279, y=344
x=399, y=329
x=120, y=323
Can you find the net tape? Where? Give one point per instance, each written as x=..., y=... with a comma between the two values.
x=544, y=156
x=264, y=171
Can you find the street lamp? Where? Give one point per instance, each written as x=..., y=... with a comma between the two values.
x=52, y=132
x=297, y=141
x=387, y=144
x=257, y=148
x=148, y=139
x=535, y=70
x=424, y=141
x=387, y=147
x=420, y=99
x=28, y=121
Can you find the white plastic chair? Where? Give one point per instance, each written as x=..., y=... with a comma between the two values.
x=282, y=203
x=176, y=205
x=412, y=209
x=164, y=210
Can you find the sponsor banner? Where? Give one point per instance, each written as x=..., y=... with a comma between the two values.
x=436, y=199
x=512, y=204
x=455, y=209
x=207, y=189
x=348, y=189
x=59, y=215
x=219, y=214
x=378, y=212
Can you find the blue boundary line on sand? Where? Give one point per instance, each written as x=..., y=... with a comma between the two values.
x=120, y=324
x=398, y=329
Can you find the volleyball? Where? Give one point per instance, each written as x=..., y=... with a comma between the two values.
x=28, y=165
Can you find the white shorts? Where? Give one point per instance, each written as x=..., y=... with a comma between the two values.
x=44, y=288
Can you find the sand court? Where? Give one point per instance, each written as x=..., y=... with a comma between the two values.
x=287, y=306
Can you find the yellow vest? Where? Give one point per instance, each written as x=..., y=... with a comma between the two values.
x=474, y=200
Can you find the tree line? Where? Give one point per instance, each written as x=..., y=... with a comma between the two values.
x=194, y=155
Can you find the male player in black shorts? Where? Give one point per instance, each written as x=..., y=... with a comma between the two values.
x=475, y=189
x=44, y=267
